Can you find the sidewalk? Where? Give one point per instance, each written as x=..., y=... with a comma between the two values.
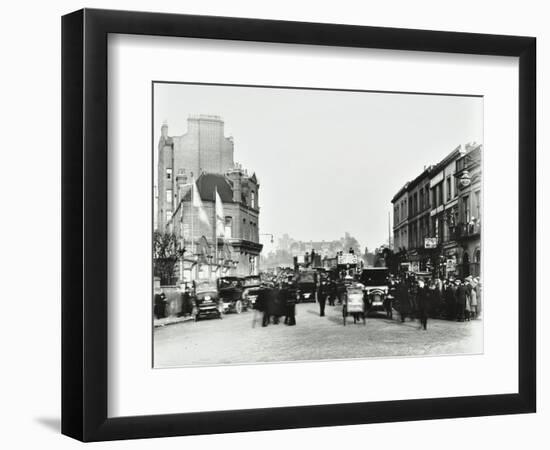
x=171, y=320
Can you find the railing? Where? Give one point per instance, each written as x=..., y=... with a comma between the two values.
x=465, y=230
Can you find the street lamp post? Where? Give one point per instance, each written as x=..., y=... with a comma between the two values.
x=209, y=257
x=268, y=234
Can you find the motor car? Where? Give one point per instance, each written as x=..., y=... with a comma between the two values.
x=206, y=301
x=306, y=286
x=231, y=295
x=376, y=288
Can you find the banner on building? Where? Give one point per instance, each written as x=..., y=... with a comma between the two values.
x=220, y=217
x=197, y=203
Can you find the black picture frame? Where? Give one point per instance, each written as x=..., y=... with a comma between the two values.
x=84, y=224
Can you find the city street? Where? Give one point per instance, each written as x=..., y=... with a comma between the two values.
x=238, y=339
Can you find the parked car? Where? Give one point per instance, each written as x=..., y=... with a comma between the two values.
x=231, y=294
x=206, y=301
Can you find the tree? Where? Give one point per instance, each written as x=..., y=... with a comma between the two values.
x=368, y=257
x=167, y=250
x=349, y=242
x=391, y=260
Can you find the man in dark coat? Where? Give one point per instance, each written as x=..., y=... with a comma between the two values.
x=460, y=301
x=160, y=304
x=423, y=301
x=450, y=301
x=288, y=302
x=186, y=302
x=322, y=293
x=331, y=289
x=277, y=304
x=403, y=300
x=262, y=305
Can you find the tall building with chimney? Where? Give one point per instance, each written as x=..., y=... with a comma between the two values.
x=204, y=148
x=204, y=156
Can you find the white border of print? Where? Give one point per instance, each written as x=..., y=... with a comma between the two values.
x=134, y=61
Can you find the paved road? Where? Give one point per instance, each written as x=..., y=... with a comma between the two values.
x=240, y=339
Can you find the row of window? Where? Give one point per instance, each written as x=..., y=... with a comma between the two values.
x=469, y=212
x=438, y=193
x=421, y=200
x=249, y=232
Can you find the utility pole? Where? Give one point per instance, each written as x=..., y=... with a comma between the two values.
x=389, y=232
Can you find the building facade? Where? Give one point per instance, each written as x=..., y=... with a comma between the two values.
x=444, y=213
x=467, y=230
x=401, y=220
x=419, y=206
x=204, y=148
x=203, y=157
x=443, y=217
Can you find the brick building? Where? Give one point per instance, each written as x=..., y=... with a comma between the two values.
x=401, y=220
x=444, y=204
x=418, y=198
x=204, y=148
x=467, y=231
x=204, y=157
x=444, y=213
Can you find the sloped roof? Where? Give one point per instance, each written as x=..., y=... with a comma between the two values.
x=207, y=184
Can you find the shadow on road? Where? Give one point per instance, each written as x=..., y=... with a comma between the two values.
x=336, y=319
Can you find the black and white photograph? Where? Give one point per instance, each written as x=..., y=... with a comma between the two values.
x=299, y=224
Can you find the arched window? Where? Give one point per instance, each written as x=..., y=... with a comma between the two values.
x=477, y=263
x=253, y=199
x=465, y=264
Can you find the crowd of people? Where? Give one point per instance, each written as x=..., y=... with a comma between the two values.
x=275, y=303
x=451, y=298
x=414, y=297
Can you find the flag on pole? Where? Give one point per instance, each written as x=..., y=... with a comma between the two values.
x=220, y=217
x=197, y=202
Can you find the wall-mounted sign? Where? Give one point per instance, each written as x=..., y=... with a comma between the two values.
x=465, y=179
x=430, y=242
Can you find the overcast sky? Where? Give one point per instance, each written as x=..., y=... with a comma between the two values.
x=327, y=161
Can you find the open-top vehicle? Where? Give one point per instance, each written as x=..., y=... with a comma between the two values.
x=206, y=302
x=231, y=294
